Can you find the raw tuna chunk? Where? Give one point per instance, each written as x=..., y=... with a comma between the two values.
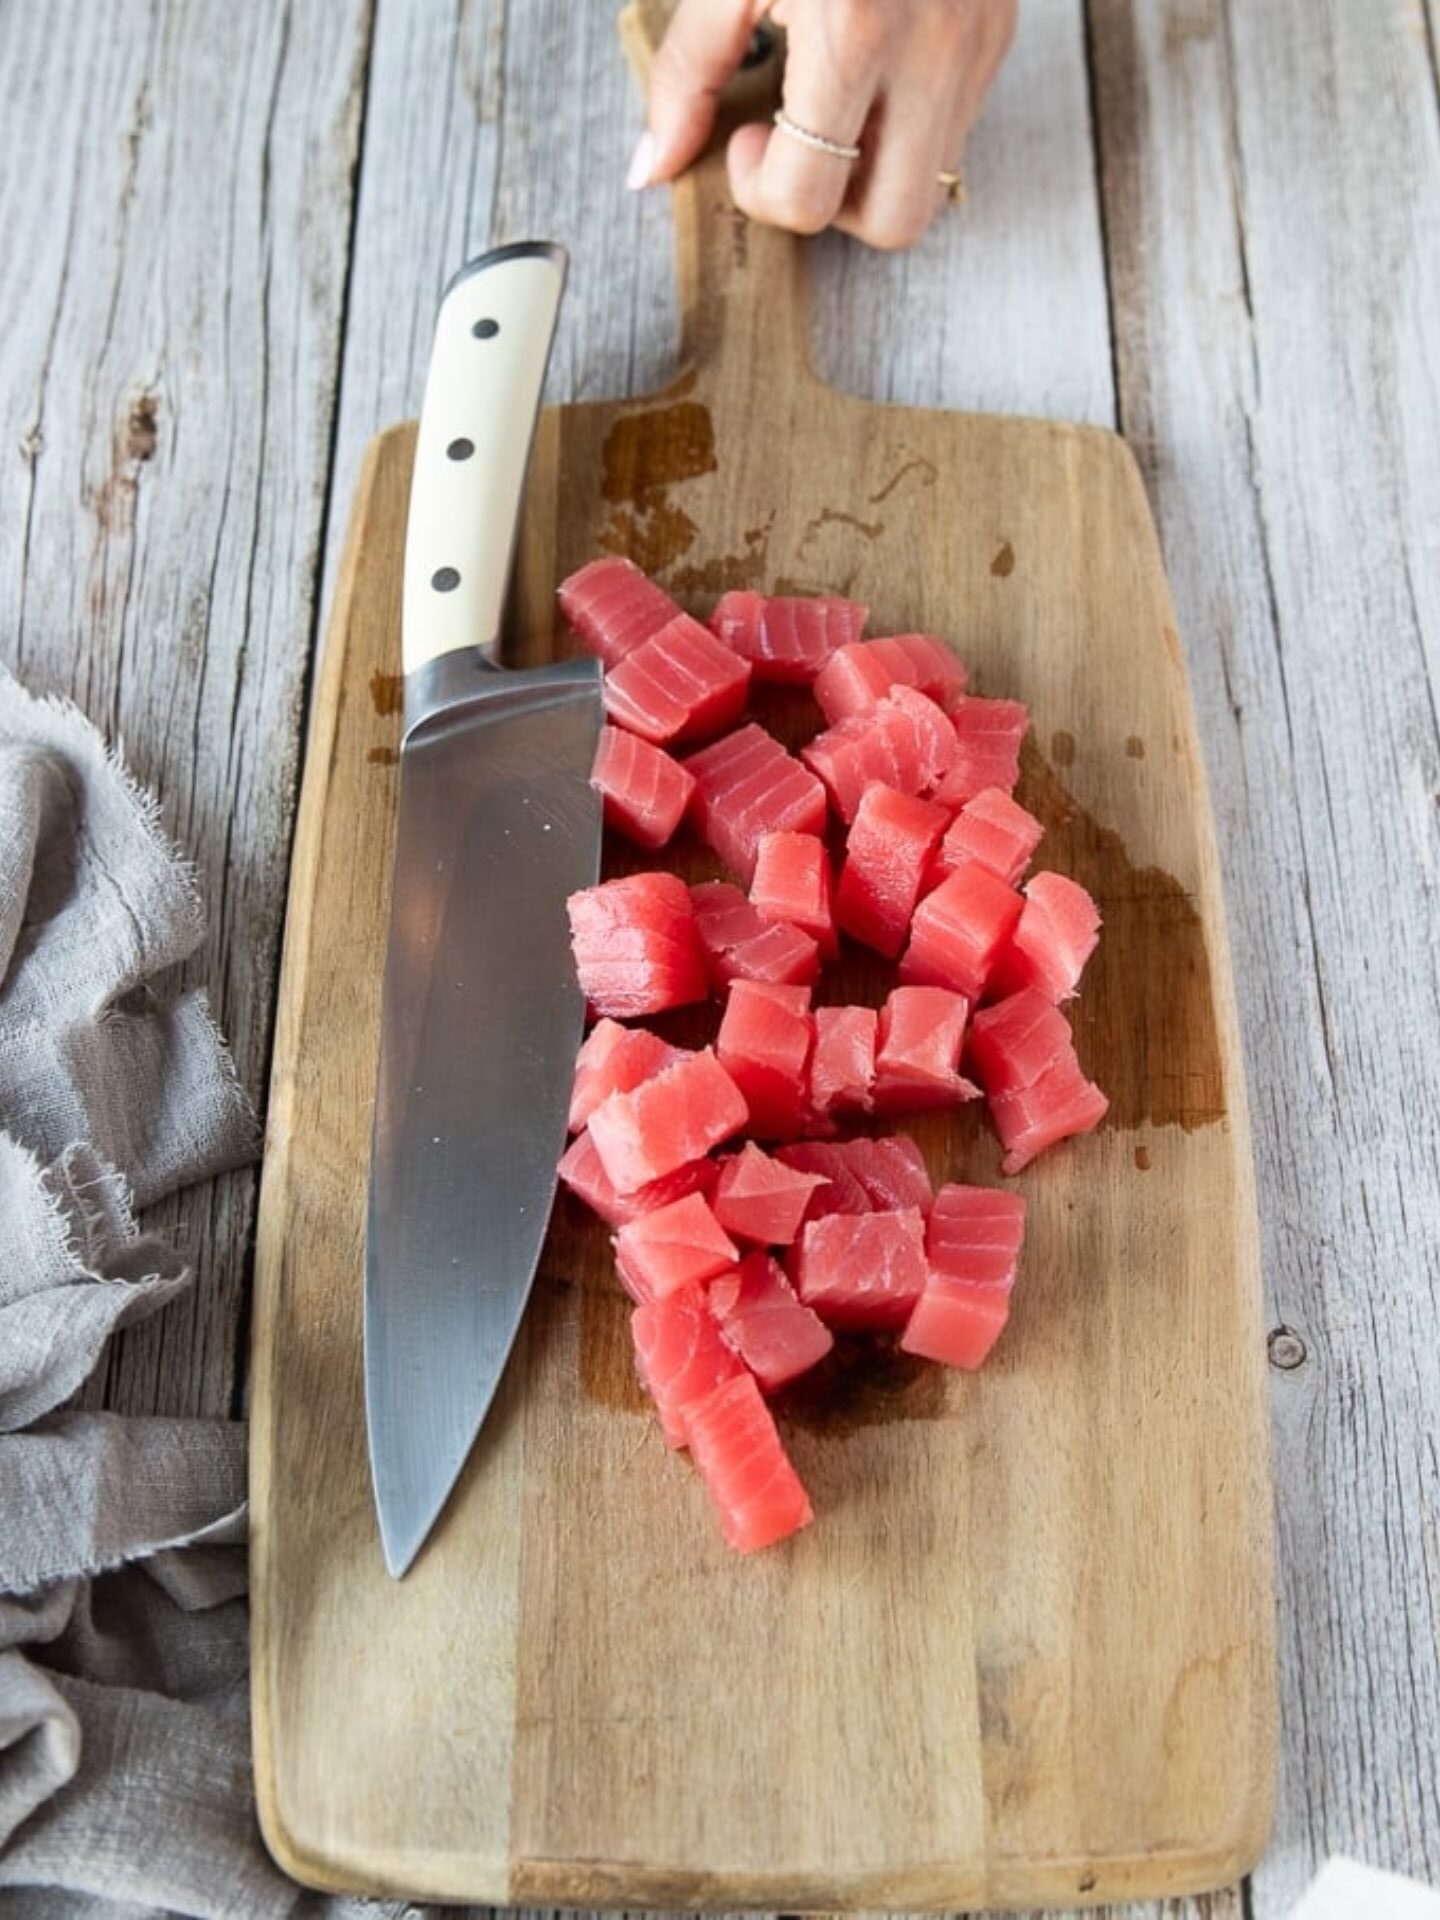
x=582, y=1173
x=645, y=792
x=613, y=608
x=680, y=684
x=855, y=678
x=1056, y=934
x=676, y=1246
x=892, y=1171
x=764, y=1042
x=747, y=785
x=681, y=1356
x=887, y=854
x=956, y=1325
x=613, y=1060
x=688, y=1108
x=760, y=1199
x=842, y=1067
x=786, y=639
x=792, y=883
x=905, y=741
x=636, y=947
x=1061, y=1103
x=842, y=1192
x=974, y=1235
x=1017, y=1040
x=987, y=748
x=739, y=945
x=993, y=830
x=774, y=1334
x=735, y=1444
x=862, y=1271
x=959, y=929
x=916, y=1066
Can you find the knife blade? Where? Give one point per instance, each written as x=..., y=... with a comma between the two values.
x=497, y=823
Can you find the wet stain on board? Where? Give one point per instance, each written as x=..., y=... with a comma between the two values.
x=1145, y=1019
x=653, y=540
x=387, y=692
x=382, y=757
x=1003, y=565
x=863, y=1384
x=1135, y=747
x=920, y=466
x=1062, y=748
x=645, y=452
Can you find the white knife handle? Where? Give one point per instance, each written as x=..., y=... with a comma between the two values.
x=482, y=396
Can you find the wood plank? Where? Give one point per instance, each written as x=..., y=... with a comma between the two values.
x=1008, y=1661
x=1277, y=306
x=175, y=195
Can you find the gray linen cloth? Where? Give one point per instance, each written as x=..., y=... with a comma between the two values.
x=125, y=1783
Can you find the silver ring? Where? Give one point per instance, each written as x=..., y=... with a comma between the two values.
x=836, y=149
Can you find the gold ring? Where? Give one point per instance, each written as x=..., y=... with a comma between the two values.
x=954, y=185
x=837, y=149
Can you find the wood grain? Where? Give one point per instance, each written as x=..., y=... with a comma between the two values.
x=1066, y=1556
x=171, y=331
x=1277, y=306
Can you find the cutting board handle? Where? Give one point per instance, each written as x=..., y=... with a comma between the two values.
x=742, y=286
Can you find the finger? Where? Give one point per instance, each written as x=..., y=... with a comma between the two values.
x=832, y=71
x=896, y=195
x=703, y=45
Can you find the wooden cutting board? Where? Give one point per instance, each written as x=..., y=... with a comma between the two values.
x=1024, y=1656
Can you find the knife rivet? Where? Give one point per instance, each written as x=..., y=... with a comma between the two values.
x=445, y=579
x=485, y=329
x=460, y=449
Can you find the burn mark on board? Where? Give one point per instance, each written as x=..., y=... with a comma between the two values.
x=1145, y=1018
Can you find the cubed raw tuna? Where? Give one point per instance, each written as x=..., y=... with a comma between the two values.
x=760, y=1315
x=892, y=1171
x=681, y=1356
x=842, y=1066
x=680, y=1245
x=891, y=843
x=1061, y=1103
x=862, y=1271
x=735, y=1444
x=680, y=684
x=959, y=929
x=614, y=608
x=685, y=1110
x=974, y=1235
x=1017, y=1040
x=740, y=945
x=760, y=1199
x=792, y=884
x=987, y=748
x=993, y=830
x=842, y=1192
x=905, y=741
x=636, y=947
x=856, y=677
x=764, y=1043
x=613, y=1060
x=645, y=792
x=956, y=1325
x=922, y=1030
x=783, y=638
x=1058, y=930
x=747, y=785
x=583, y=1174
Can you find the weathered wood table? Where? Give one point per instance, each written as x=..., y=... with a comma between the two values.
x=1212, y=223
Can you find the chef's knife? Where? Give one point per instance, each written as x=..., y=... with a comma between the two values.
x=497, y=823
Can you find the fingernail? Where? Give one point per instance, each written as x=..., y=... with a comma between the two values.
x=642, y=162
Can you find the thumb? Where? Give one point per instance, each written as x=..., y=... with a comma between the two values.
x=703, y=45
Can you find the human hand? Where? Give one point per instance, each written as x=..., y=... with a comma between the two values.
x=902, y=79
